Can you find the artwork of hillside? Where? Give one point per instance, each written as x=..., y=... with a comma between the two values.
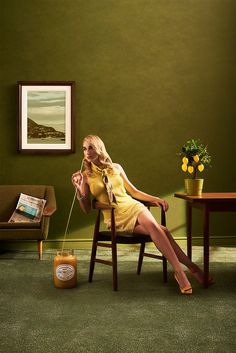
x=40, y=131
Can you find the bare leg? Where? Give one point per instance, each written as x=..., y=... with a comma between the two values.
x=184, y=259
x=148, y=224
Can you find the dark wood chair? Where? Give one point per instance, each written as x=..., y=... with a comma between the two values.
x=110, y=239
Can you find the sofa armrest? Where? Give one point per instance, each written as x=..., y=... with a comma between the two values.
x=51, y=204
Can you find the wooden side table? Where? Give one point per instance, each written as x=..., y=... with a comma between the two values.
x=208, y=202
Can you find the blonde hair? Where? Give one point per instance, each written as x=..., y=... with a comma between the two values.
x=103, y=156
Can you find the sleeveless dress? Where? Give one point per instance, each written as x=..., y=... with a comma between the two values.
x=127, y=209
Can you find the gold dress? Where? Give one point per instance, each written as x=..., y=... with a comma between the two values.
x=126, y=208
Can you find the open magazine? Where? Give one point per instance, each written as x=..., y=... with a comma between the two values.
x=28, y=209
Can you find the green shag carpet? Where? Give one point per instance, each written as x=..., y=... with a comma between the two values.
x=144, y=316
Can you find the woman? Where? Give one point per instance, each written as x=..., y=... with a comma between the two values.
x=108, y=183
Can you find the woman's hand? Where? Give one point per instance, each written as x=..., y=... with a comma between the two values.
x=163, y=203
x=77, y=179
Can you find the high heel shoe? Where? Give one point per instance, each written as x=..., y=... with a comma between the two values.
x=184, y=290
x=194, y=274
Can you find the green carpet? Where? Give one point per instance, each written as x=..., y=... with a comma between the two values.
x=144, y=316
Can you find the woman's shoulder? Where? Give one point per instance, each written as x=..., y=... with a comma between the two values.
x=117, y=167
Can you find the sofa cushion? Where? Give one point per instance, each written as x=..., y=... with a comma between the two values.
x=22, y=225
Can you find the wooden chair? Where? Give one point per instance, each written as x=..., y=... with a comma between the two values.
x=110, y=239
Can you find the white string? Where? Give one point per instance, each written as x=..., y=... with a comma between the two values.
x=71, y=208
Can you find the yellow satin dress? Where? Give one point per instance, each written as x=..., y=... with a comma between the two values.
x=126, y=208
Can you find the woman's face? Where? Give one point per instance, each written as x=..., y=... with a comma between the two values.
x=89, y=152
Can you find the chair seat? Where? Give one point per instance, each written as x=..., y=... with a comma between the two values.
x=125, y=238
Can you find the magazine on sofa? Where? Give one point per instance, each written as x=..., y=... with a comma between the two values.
x=28, y=209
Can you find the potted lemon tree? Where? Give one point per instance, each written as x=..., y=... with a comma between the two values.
x=195, y=158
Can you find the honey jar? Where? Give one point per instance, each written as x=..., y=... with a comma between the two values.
x=65, y=269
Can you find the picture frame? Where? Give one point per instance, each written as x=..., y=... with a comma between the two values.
x=46, y=117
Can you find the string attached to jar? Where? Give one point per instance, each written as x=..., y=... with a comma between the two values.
x=71, y=208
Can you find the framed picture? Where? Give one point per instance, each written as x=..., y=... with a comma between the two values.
x=46, y=117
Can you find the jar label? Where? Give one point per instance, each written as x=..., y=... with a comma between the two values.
x=65, y=272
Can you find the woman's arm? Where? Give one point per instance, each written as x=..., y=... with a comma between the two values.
x=137, y=194
x=79, y=180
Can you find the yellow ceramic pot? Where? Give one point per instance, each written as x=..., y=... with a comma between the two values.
x=193, y=187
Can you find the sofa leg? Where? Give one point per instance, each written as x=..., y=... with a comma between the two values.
x=40, y=249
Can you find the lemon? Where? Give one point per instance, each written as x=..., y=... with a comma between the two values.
x=185, y=160
x=200, y=167
x=196, y=158
x=184, y=167
x=190, y=169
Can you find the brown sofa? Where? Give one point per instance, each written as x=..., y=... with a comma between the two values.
x=9, y=195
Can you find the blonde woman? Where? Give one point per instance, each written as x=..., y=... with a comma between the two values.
x=109, y=184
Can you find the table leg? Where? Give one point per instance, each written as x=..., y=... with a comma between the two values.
x=189, y=230
x=206, y=245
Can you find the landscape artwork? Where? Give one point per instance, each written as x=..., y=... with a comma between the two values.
x=46, y=117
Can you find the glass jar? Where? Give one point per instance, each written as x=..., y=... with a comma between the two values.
x=65, y=269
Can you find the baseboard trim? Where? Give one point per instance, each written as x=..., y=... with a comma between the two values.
x=83, y=243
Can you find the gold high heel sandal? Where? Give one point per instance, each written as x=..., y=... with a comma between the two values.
x=185, y=290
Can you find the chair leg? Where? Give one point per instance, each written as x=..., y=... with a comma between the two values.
x=40, y=249
x=140, y=260
x=114, y=266
x=164, y=264
x=92, y=260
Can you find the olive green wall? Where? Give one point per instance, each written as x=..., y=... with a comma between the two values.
x=149, y=75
